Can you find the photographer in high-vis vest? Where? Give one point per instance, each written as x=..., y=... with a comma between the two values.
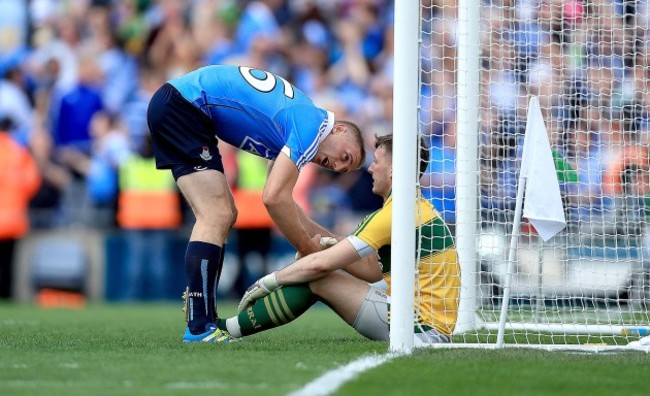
x=20, y=180
x=149, y=210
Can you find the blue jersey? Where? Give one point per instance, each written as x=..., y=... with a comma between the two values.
x=257, y=111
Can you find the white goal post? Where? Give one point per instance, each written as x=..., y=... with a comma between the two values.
x=405, y=120
x=588, y=62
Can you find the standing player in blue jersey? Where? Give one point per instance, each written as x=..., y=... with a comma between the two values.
x=260, y=113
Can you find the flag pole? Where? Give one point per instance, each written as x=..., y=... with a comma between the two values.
x=539, y=301
x=538, y=181
x=511, y=259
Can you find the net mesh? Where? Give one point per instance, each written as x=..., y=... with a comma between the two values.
x=588, y=62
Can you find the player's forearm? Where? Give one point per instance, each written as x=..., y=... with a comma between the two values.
x=310, y=225
x=318, y=265
x=367, y=268
x=285, y=216
x=305, y=270
x=278, y=199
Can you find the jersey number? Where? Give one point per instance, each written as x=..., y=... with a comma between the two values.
x=267, y=83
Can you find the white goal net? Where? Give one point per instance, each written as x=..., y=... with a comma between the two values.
x=588, y=62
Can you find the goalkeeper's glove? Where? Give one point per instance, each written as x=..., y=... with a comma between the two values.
x=260, y=289
x=327, y=242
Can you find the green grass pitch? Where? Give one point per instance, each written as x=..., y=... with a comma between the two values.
x=136, y=350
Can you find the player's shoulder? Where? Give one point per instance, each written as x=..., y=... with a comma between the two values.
x=379, y=217
x=427, y=211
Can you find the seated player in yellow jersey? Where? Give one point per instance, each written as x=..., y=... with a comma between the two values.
x=342, y=276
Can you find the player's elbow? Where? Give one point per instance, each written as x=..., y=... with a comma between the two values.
x=317, y=272
x=271, y=199
x=316, y=268
x=233, y=218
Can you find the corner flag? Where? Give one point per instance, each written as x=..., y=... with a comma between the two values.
x=543, y=202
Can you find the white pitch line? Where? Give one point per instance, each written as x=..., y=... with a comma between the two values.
x=329, y=382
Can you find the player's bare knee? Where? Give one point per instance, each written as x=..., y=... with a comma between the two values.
x=321, y=286
x=219, y=218
x=227, y=218
x=315, y=287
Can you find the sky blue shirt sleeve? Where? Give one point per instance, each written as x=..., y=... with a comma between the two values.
x=306, y=127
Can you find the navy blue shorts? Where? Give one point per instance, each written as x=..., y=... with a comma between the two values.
x=184, y=139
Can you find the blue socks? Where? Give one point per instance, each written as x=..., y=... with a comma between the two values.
x=203, y=261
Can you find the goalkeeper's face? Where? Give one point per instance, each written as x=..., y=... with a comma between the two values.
x=381, y=170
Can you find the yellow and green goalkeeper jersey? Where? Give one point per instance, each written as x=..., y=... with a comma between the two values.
x=438, y=273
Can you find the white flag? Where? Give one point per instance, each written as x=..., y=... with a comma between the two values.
x=542, y=202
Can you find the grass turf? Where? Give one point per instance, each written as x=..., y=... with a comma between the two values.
x=136, y=350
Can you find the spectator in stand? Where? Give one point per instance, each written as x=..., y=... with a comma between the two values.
x=626, y=179
x=185, y=56
x=350, y=71
x=47, y=204
x=131, y=25
x=71, y=112
x=54, y=61
x=20, y=179
x=308, y=56
x=588, y=154
x=212, y=28
x=99, y=169
x=439, y=180
x=118, y=71
x=258, y=30
x=134, y=113
x=498, y=169
x=160, y=40
x=547, y=73
x=15, y=101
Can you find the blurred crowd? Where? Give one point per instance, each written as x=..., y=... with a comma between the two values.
x=77, y=76
x=589, y=64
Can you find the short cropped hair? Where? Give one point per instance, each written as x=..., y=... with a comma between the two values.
x=356, y=131
x=386, y=141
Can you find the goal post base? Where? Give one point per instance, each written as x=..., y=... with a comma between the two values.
x=582, y=348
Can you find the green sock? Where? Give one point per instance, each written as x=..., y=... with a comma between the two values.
x=280, y=307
